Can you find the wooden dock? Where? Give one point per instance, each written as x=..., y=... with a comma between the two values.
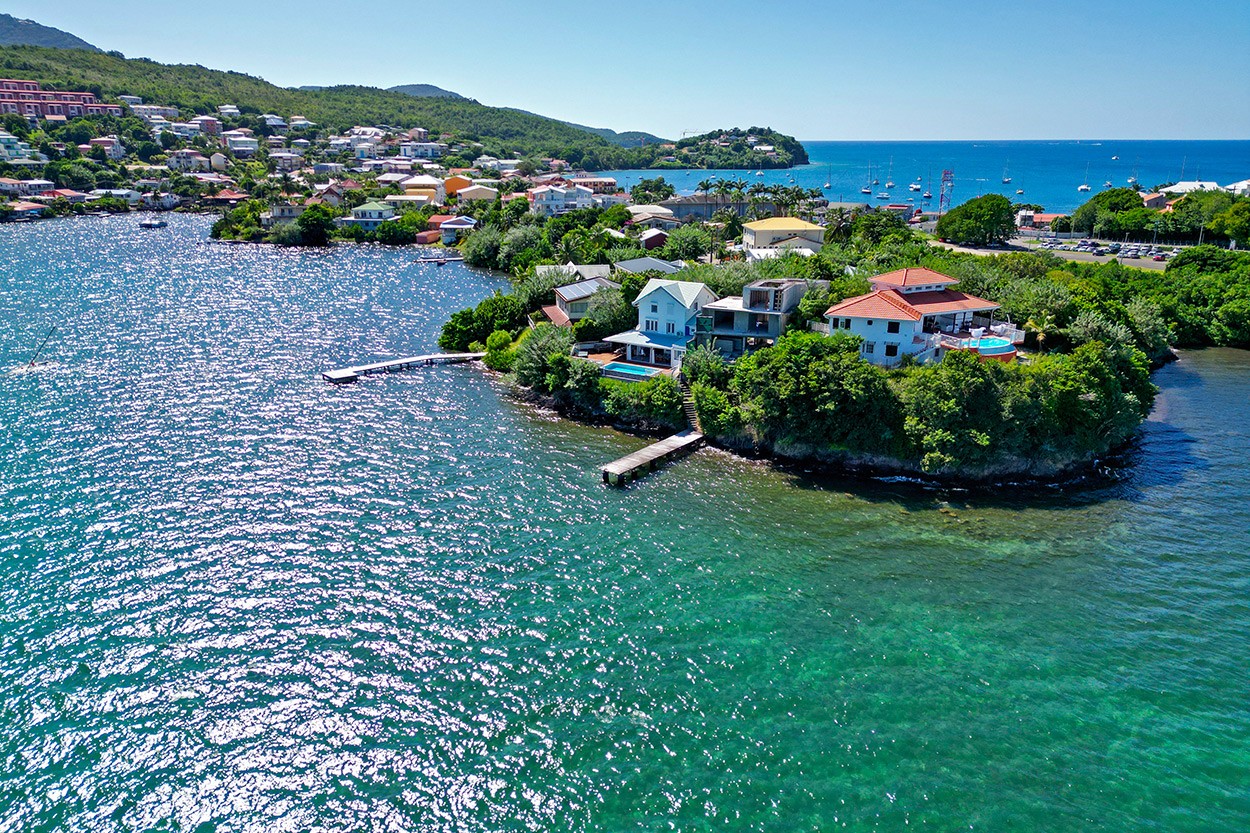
x=632, y=466
x=351, y=374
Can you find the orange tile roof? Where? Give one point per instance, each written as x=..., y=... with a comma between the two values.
x=947, y=300
x=884, y=303
x=890, y=305
x=911, y=277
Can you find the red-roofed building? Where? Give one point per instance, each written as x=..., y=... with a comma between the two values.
x=906, y=314
x=227, y=196
x=436, y=221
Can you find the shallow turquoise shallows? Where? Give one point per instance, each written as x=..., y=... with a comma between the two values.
x=236, y=598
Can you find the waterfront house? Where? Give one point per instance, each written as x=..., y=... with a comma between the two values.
x=573, y=301
x=455, y=228
x=1189, y=186
x=25, y=210
x=1155, y=201
x=783, y=233
x=130, y=196
x=638, y=265
x=667, y=311
x=369, y=216
x=283, y=213
x=906, y=314
x=744, y=323
x=701, y=207
x=32, y=187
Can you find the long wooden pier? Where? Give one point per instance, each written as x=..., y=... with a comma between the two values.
x=632, y=466
x=351, y=374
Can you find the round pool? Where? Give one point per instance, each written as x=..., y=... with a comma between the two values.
x=992, y=346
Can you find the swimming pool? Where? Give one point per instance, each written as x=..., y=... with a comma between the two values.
x=991, y=345
x=629, y=369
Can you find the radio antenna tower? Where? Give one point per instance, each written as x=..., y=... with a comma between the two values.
x=948, y=186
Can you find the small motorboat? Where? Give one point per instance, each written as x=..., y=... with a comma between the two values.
x=915, y=186
x=152, y=224
x=1019, y=190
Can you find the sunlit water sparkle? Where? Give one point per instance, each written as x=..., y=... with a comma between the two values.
x=235, y=598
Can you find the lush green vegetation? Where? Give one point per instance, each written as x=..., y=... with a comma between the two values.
x=479, y=129
x=979, y=222
x=15, y=31
x=1214, y=216
x=812, y=395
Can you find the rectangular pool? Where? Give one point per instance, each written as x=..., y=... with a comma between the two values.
x=629, y=369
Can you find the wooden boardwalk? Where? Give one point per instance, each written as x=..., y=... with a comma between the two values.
x=351, y=374
x=632, y=466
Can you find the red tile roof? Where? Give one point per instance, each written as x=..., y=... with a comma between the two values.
x=947, y=300
x=890, y=305
x=885, y=303
x=911, y=277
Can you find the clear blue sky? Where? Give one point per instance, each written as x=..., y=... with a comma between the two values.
x=891, y=69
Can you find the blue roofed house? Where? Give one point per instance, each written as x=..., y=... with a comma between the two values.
x=667, y=311
x=455, y=228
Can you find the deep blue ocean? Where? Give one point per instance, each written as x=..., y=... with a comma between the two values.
x=1049, y=172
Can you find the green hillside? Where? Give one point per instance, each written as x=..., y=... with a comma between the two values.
x=424, y=91
x=195, y=89
x=14, y=31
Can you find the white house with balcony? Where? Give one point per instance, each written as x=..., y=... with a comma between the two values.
x=369, y=216
x=551, y=200
x=187, y=160
x=667, y=311
x=906, y=314
x=421, y=150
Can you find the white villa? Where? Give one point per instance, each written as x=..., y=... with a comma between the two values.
x=550, y=200
x=906, y=314
x=667, y=311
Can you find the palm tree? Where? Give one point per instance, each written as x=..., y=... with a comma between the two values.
x=705, y=186
x=1041, y=326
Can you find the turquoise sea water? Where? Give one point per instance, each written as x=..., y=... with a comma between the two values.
x=1048, y=172
x=235, y=598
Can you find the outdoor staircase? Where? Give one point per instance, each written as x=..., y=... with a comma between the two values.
x=687, y=405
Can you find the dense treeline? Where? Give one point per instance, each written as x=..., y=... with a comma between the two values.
x=500, y=131
x=1214, y=216
x=812, y=395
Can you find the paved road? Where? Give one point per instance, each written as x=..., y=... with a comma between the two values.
x=1017, y=245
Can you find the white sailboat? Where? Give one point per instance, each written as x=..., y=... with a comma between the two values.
x=889, y=177
x=1084, y=186
x=1006, y=177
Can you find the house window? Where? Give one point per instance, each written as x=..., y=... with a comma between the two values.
x=891, y=327
x=891, y=350
x=651, y=325
x=869, y=346
x=869, y=322
x=846, y=323
x=655, y=308
x=670, y=328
